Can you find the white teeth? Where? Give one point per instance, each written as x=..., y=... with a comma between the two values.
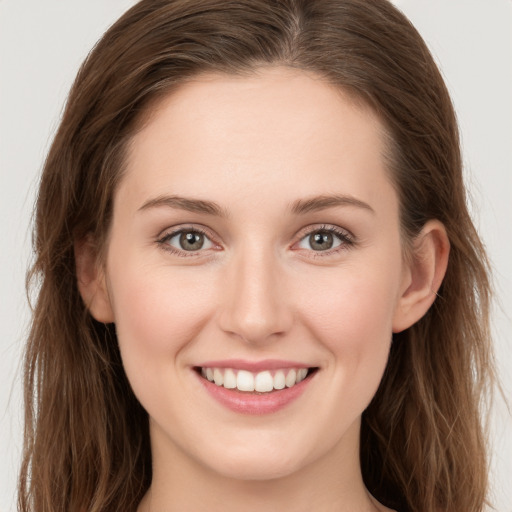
x=229, y=379
x=245, y=381
x=301, y=374
x=279, y=380
x=291, y=378
x=261, y=382
x=218, y=377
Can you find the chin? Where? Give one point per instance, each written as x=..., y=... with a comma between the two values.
x=256, y=468
x=257, y=459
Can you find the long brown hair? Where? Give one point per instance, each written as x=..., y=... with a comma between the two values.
x=86, y=435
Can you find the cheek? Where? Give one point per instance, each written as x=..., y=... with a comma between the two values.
x=157, y=313
x=353, y=320
x=352, y=302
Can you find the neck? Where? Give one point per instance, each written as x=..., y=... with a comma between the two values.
x=332, y=483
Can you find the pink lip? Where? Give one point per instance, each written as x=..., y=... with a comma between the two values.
x=253, y=366
x=256, y=404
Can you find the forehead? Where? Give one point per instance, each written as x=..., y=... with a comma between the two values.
x=275, y=126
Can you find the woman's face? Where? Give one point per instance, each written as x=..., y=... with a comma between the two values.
x=256, y=238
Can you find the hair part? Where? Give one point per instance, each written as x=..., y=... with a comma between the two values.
x=86, y=435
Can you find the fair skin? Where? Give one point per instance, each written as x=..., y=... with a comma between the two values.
x=294, y=256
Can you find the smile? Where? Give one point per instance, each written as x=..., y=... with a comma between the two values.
x=255, y=388
x=261, y=382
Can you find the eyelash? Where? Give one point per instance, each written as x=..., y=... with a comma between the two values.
x=345, y=238
x=164, y=240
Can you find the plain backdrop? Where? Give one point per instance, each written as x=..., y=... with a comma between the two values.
x=42, y=43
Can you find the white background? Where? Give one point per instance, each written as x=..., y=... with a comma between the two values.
x=42, y=43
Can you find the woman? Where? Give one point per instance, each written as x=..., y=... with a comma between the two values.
x=260, y=285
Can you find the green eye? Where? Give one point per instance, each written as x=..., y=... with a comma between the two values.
x=322, y=240
x=188, y=240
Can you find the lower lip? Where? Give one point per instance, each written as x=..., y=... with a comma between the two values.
x=249, y=403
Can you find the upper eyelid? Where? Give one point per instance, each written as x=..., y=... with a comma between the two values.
x=174, y=230
x=205, y=230
x=345, y=236
x=324, y=227
x=170, y=232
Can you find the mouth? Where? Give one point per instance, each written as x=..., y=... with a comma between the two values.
x=255, y=387
x=257, y=383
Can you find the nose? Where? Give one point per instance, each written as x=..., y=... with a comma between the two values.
x=255, y=308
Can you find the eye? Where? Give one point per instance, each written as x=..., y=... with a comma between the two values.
x=325, y=239
x=188, y=240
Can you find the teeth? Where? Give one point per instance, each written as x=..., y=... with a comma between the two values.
x=245, y=381
x=279, y=380
x=291, y=378
x=229, y=379
x=218, y=377
x=261, y=382
x=301, y=374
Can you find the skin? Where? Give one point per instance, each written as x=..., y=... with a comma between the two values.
x=256, y=146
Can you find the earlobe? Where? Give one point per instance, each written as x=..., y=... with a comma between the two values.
x=91, y=280
x=426, y=268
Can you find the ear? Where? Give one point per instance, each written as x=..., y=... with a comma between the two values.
x=91, y=280
x=423, y=275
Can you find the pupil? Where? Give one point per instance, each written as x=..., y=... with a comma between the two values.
x=191, y=241
x=321, y=241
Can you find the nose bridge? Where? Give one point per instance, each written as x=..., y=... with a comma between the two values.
x=255, y=308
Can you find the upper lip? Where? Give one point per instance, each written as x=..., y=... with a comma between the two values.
x=253, y=366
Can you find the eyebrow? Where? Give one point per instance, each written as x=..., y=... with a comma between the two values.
x=184, y=203
x=301, y=206
x=323, y=202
